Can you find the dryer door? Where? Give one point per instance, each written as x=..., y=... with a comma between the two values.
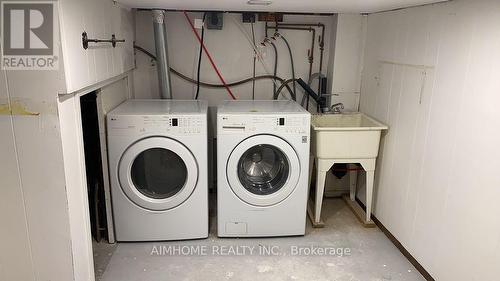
x=158, y=173
x=263, y=170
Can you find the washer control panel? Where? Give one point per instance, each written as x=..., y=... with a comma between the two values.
x=292, y=124
x=147, y=124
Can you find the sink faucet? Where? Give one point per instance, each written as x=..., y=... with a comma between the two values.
x=337, y=108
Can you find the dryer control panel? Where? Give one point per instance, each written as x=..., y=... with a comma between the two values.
x=283, y=124
x=152, y=124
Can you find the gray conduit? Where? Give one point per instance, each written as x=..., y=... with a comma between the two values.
x=160, y=35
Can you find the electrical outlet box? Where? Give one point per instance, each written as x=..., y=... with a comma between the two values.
x=215, y=20
x=198, y=23
x=248, y=17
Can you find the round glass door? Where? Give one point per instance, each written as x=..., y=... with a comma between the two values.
x=263, y=170
x=158, y=173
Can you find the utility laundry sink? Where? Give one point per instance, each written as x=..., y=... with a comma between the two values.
x=346, y=135
x=346, y=138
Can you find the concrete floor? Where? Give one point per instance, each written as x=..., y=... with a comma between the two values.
x=372, y=256
x=102, y=255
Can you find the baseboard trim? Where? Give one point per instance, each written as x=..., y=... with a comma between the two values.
x=400, y=247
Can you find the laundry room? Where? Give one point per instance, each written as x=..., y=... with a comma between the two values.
x=252, y=139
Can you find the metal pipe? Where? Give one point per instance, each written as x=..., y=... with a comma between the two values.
x=321, y=42
x=160, y=35
x=310, y=54
x=311, y=51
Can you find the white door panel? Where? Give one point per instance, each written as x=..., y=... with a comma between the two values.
x=100, y=19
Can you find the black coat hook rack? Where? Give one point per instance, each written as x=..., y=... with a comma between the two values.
x=86, y=40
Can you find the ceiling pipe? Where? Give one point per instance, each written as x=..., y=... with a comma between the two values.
x=160, y=35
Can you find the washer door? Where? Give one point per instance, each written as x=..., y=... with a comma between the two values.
x=158, y=173
x=263, y=170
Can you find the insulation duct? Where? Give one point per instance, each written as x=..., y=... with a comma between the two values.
x=160, y=33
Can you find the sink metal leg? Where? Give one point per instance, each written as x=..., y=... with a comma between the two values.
x=320, y=189
x=311, y=165
x=364, y=216
x=353, y=180
x=370, y=175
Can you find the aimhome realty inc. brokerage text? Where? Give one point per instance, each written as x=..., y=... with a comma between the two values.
x=248, y=250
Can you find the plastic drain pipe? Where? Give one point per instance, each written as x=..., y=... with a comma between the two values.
x=160, y=35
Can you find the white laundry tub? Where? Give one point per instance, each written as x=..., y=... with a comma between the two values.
x=347, y=135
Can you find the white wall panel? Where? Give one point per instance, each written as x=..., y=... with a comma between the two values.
x=37, y=141
x=348, y=52
x=76, y=187
x=15, y=253
x=344, y=67
x=432, y=73
x=100, y=19
x=113, y=95
x=41, y=192
x=39, y=242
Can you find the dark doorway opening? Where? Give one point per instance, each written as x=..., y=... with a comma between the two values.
x=93, y=165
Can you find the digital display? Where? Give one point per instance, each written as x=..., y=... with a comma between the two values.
x=282, y=121
x=175, y=122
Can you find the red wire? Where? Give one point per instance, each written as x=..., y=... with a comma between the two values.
x=209, y=56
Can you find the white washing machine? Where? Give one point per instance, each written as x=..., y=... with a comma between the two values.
x=262, y=166
x=157, y=153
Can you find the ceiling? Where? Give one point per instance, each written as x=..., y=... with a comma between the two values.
x=296, y=6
